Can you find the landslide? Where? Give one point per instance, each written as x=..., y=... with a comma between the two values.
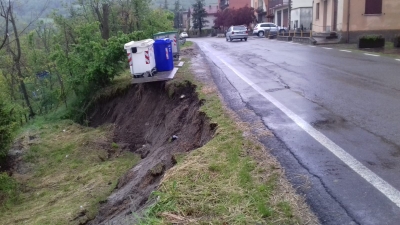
x=160, y=121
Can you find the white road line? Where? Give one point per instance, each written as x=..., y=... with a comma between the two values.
x=312, y=46
x=385, y=188
x=326, y=48
x=345, y=51
x=398, y=59
x=370, y=54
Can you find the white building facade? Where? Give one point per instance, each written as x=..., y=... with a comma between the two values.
x=301, y=14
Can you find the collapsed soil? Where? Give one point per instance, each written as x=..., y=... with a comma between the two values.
x=158, y=121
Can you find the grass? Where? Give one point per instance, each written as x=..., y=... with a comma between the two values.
x=187, y=44
x=69, y=171
x=69, y=174
x=9, y=191
x=230, y=180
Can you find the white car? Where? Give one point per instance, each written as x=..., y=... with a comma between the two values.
x=261, y=28
x=183, y=35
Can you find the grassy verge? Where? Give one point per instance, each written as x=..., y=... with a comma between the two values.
x=187, y=44
x=65, y=171
x=231, y=180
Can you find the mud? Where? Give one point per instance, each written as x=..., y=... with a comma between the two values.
x=14, y=163
x=146, y=119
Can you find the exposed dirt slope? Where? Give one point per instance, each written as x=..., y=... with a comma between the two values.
x=146, y=119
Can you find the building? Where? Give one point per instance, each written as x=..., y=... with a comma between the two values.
x=352, y=19
x=186, y=19
x=260, y=7
x=278, y=12
x=211, y=13
x=301, y=14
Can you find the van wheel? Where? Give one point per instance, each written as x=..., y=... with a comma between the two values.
x=245, y=39
x=261, y=34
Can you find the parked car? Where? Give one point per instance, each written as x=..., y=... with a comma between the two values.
x=183, y=35
x=261, y=28
x=237, y=32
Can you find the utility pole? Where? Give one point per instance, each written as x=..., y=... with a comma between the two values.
x=290, y=13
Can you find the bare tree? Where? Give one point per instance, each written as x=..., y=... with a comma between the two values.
x=5, y=10
x=14, y=47
x=17, y=63
x=101, y=11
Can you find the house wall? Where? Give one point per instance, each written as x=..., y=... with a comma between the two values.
x=305, y=18
x=295, y=16
x=277, y=8
x=301, y=3
x=257, y=4
x=239, y=3
x=185, y=21
x=342, y=15
x=282, y=16
x=325, y=21
x=302, y=13
x=386, y=24
x=388, y=20
x=210, y=24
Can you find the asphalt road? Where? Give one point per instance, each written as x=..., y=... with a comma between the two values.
x=335, y=117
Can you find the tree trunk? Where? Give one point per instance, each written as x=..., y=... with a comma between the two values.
x=105, y=32
x=5, y=13
x=17, y=61
x=63, y=94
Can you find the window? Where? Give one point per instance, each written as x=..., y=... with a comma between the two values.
x=317, y=11
x=373, y=6
x=239, y=28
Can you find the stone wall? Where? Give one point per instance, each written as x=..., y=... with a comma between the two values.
x=304, y=40
x=283, y=38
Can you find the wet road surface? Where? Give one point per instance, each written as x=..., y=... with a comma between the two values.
x=335, y=117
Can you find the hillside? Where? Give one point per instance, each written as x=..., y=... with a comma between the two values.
x=29, y=8
x=185, y=3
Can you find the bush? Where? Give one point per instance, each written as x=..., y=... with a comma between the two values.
x=94, y=63
x=396, y=41
x=9, y=193
x=371, y=41
x=6, y=127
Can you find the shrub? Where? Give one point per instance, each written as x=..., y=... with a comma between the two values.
x=9, y=193
x=6, y=127
x=371, y=41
